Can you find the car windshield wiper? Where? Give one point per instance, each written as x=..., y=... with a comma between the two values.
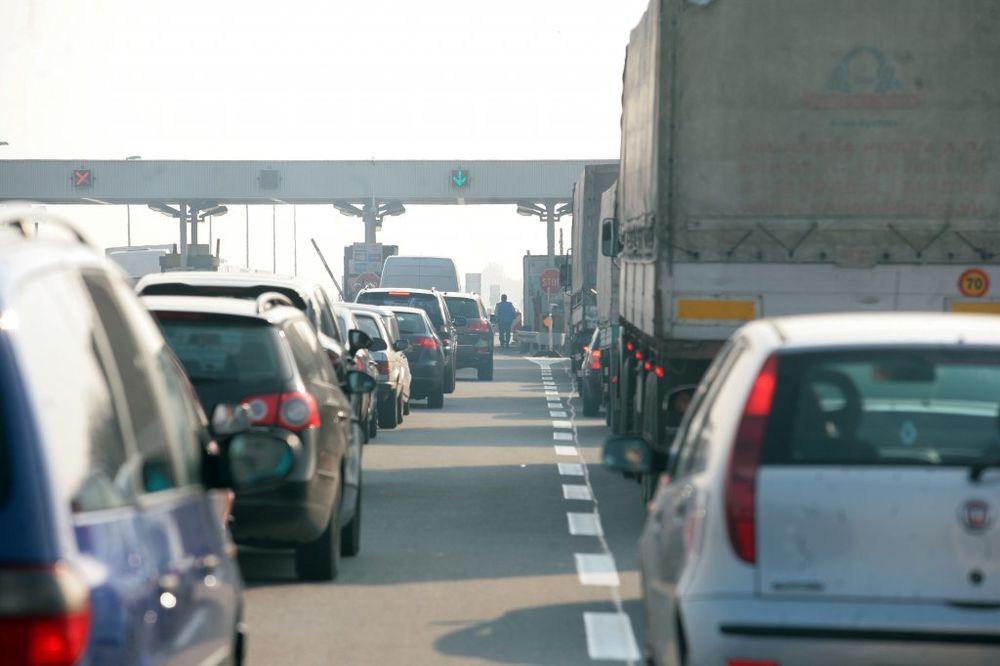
x=976, y=469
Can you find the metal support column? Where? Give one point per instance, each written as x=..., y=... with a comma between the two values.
x=370, y=217
x=550, y=228
x=182, y=219
x=193, y=216
x=246, y=209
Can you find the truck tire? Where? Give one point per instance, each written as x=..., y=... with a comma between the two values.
x=591, y=403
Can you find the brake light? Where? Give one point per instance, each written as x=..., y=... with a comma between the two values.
x=629, y=346
x=660, y=372
x=399, y=293
x=638, y=356
x=291, y=411
x=425, y=342
x=595, y=359
x=479, y=326
x=358, y=364
x=45, y=619
x=647, y=366
x=748, y=447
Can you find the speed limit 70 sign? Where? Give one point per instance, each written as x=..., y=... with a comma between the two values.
x=974, y=283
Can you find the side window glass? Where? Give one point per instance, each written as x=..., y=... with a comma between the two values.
x=158, y=469
x=693, y=454
x=185, y=420
x=306, y=350
x=61, y=348
x=326, y=323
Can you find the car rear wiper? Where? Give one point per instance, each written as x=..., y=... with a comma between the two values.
x=977, y=469
x=208, y=379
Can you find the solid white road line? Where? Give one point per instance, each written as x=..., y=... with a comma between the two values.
x=610, y=636
x=573, y=491
x=584, y=524
x=562, y=425
x=558, y=414
x=571, y=469
x=565, y=450
x=563, y=436
x=596, y=569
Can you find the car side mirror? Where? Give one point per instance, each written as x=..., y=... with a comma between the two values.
x=378, y=344
x=259, y=462
x=401, y=345
x=358, y=340
x=228, y=420
x=610, y=241
x=627, y=454
x=359, y=382
x=460, y=321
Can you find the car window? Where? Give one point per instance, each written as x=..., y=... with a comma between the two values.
x=428, y=302
x=694, y=437
x=463, y=307
x=185, y=421
x=368, y=325
x=327, y=324
x=308, y=353
x=158, y=465
x=72, y=391
x=224, y=349
x=920, y=406
x=411, y=323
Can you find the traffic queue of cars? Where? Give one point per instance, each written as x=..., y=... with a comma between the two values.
x=126, y=497
x=830, y=497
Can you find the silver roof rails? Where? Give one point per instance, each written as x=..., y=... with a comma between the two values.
x=23, y=220
x=272, y=299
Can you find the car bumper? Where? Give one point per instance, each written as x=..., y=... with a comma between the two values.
x=472, y=356
x=793, y=632
x=426, y=376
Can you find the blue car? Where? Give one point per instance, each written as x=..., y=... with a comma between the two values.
x=113, y=486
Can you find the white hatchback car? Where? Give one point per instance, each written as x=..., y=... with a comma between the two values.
x=832, y=498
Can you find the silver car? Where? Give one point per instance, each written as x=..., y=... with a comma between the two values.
x=831, y=498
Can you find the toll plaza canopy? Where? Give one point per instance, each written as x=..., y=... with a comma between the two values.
x=294, y=182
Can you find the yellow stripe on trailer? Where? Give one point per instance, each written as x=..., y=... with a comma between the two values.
x=716, y=310
x=976, y=308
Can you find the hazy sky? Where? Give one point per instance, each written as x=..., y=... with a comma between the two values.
x=297, y=79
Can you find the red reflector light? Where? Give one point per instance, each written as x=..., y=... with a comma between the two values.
x=741, y=483
x=629, y=346
x=638, y=356
x=660, y=374
x=425, y=342
x=647, y=366
x=614, y=379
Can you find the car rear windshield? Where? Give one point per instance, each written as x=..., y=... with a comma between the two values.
x=225, y=349
x=917, y=406
x=463, y=307
x=369, y=327
x=231, y=291
x=426, y=302
x=411, y=323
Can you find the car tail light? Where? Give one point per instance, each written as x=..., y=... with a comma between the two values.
x=638, y=356
x=647, y=366
x=45, y=617
x=595, y=359
x=358, y=364
x=741, y=480
x=479, y=326
x=425, y=342
x=660, y=372
x=629, y=346
x=291, y=411
x=383, y=367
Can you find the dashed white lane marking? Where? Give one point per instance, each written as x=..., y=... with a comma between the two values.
x=553, y=405
x=555, y=393
x=572, y=491
x=596, y=569
x=562, y=425
x=565, y=450
x=584, y=524
x=609, y=636
x=558, y=414
x=570, y=469
x=563, y=436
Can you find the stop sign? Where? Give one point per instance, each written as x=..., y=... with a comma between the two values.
x=549, y=280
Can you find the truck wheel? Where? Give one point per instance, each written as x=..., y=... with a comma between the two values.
x=626, y=389
x=591, y=407
x=319, y=560
x=387, y=415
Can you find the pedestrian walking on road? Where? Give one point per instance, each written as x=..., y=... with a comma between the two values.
x=505, y=313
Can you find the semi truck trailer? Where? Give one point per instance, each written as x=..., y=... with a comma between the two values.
x=797, y=156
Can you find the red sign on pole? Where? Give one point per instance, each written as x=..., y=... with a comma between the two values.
x=549, y=279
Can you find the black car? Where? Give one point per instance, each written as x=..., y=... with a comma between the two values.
x=267, y=355
x=475, y=335
x=432, y=302
x=425, y=354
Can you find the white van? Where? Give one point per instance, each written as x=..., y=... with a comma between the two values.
x=420, y=273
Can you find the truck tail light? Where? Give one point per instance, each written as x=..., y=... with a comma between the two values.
x=748, y=447
x=595, y=359
x=45, y=619
x=660, y=372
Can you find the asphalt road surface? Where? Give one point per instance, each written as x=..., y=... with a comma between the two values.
x=467, y=553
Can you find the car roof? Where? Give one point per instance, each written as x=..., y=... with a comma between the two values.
x=211, y=278
x=882, y=328
x=238, y=307
x=383, y=310
x=461, y=294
